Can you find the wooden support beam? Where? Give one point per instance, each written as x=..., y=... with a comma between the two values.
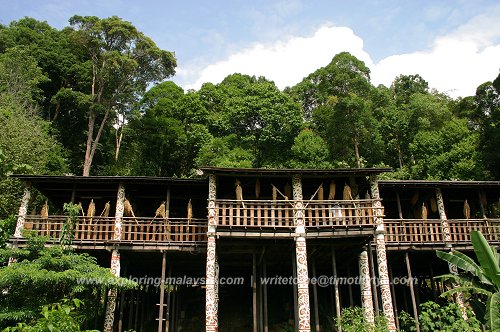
x=162, y=291
x=169, y=296
x=412, y=292
x=295, y=306
x=336, y=288
x=393, y=294
x=349, y=288
x=254, y=294
x=433, y=284
x=372, y=276
x=315, y=298
x=264, y=275
x=398, y=200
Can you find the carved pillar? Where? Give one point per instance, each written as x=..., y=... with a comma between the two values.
x=21, y=216
x=304, y=311
x=120, y=199
x=212, y=296
x=383, y=273
x=366, y=287
x=111, y=304
x=445, y=228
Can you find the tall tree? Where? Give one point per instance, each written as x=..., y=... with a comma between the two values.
x=122, y=61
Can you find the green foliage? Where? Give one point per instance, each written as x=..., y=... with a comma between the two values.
x=68, y=229
x=56, y=317
x=482, y=278
x=352, y=320
x=434, y=317
x=309, y=150
x=42, y=276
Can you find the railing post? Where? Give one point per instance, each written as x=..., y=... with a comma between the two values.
x=304, y=310
x=383, y=273
x=23, y=208
x=211, y=290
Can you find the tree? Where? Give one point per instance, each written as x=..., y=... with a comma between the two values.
x=309, y=150
x=404, y=86
x=482, y=278
x=121, y=62
x=42, y=276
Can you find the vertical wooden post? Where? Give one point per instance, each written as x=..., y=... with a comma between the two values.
x=349, y=287
x=336, y=288
x=304, y=311
x=294, y=286
x=481, y=205
x=143, y=307
x=372, y=278
x=23, y=210
x=433, y=284
x=254, y=293
x=162, y=291
x=315, y=298
x=169, y=295
x=211, y=300
x=398, y=200
x=264, y=291
x=366, y=291
x=383, y=275
x=111, y=303
x=412, y=291
x=393, y=293
x=122, y=305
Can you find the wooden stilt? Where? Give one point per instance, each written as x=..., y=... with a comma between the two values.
x=174, y=307
x=393, y=294
x=433, y=284
x=349, y=287
x=137, y=307
x=259, y=299
x=162, y=291
x=295, y=304
x=122, y=305
x=412, y=291
x=315, y=298
x=169, y=295
x=254, y=293
x=264, y=275
x=131, y=310
x=336, y=288
x=398, y=200
x=143, y=307
x=372, y=275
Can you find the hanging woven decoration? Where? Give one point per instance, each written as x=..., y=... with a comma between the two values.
x=161, y=211
x=105, y=211
x=331, y=193
x=239, y=192
x=466, y=210
x=424, y=212
x=347, y=193
x=91, y=211
x=321, y=194
x=189, y=211
x=44, y=213
x=434, y=206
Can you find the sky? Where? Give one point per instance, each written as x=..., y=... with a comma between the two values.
x=453, y=44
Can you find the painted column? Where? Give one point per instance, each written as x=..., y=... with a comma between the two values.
x=111, y=303
x=21, y=216
x=366, y=287
x=445, y=228
x=304, y=311
x=211, y=300
x=120, y=199
x=383, y=273
x=115, y=259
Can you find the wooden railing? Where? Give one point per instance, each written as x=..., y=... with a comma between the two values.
x=134, y=230
x=430, y=231
x=280, y=214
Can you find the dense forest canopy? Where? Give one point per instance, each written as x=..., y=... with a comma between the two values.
x=94, y=98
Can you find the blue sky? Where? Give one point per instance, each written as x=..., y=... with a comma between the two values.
x=455, y=45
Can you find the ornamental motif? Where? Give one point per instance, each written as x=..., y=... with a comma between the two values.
x=385, y=288
x=22, y=213
x=366, y=288
x=304, y=310
x=211, y=311
x=120, y=199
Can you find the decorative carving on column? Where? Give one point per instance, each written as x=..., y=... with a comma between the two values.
x=459, y=297
x=366, y=287
x=120, y=199
x=383, y=273
x=211, y=310
x=212, y=195
x=23, y=208
x=304, y=310
x=112, y=293
x=445, y=228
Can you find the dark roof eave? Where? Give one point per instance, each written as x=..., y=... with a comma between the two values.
x=107, y=179
x=434, y=184
x=290, y=172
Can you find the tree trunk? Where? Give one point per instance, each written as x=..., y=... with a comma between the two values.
x=91, y=142
x=118, y=141
x=400, y=155
x=356, y=149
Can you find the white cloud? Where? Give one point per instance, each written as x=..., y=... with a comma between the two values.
x=456, y=63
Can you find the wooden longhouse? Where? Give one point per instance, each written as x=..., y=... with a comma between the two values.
x=276, y=248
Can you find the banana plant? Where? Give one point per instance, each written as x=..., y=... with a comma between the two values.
x=482, y=278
